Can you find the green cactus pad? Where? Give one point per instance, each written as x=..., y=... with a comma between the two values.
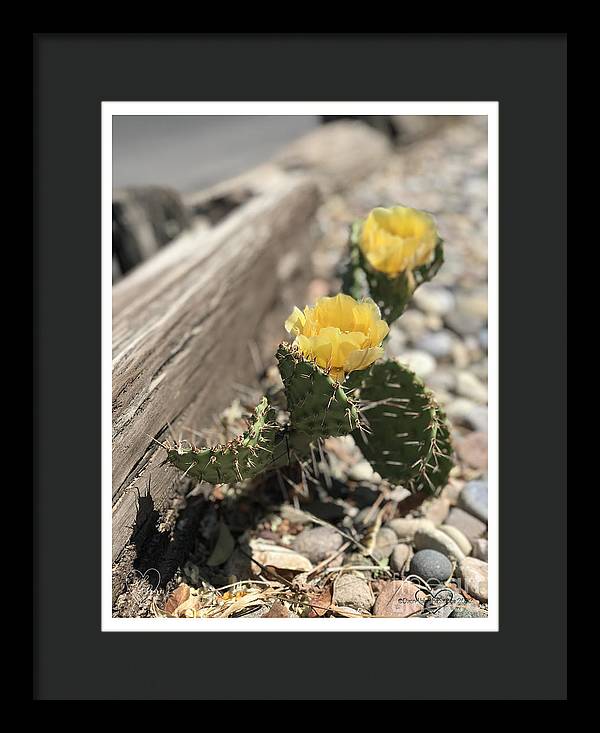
x=318, y=406
x=390, y=293
x=262, y=446
x=406, y=439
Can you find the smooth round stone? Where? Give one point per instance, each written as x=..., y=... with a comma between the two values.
x=438, y=344
x=422, y=363
x=469, y=526
x=400, y=557
x=353, y=591
x=433, y=299
x=431, y=565
x=413, y=324
x=385, y=542
x=455, y=534
x=435, y=539
x=361, y=471
x=474, y=574
x=480, y=549
x=317, y=544
x=405, y=528
x=464, y=322
x=467, y=385
x=483, y=338
x=474, y=499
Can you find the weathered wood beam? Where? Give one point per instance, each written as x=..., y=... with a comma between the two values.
x=183, y=323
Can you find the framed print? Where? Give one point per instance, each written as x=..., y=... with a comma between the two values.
x=289, y=354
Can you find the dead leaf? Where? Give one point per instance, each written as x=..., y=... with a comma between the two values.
x=320, y=603
x=223, y=547
x=277, y=610
x=177, y=597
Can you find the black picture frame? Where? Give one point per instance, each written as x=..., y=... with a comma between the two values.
x=526, y=659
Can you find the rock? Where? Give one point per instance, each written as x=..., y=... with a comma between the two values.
x=405, y=527
x=465, y=412
x=435, y=539
x=464, y=323
x=474, y=499
x=432, y=299
x=483, y=338
x=385, y=542
x=470, y=526
x=422, y=363
x=474, y=574
x=461, y=540
x=413, y=324
x=317, y=544
x=452, y=490
x=281, y=558
x=473, y=450
x=467, y=385
x=353, y=591
x=397, y=599
x=480, y=549
x=361, y=471
x=437, y=510
x=443, y=379
x=399, y=494
x=399, y=558
x=439, y=344
x=431, y=565
x=468, y=610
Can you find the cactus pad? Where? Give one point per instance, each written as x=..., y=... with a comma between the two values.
x=406, y=440
x=262, y=446
x=318, y=406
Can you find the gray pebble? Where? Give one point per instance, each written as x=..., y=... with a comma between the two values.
x=435, y=539
x=353, y=591
x=317, y=544
x=399, y=558
x=480, y=549
x=385, y=542
x=470, y=526
x=405, y=527
x=474, y=499
x=439, y=344
x=455, y=534
x=431, y=565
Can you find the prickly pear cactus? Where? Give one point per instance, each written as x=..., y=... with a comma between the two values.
x=318, y=406
x=264, y=445
x=406, y=439
x=332, y=385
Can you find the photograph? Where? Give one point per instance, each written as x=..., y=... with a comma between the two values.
x=300, y=359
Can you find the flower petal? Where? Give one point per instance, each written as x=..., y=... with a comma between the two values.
x=296, y=322
x=362, y=358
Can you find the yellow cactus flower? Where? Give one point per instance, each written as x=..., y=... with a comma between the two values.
x=398, y=239
x=340, y=334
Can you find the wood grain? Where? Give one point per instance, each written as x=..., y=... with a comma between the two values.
x=183, y=323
